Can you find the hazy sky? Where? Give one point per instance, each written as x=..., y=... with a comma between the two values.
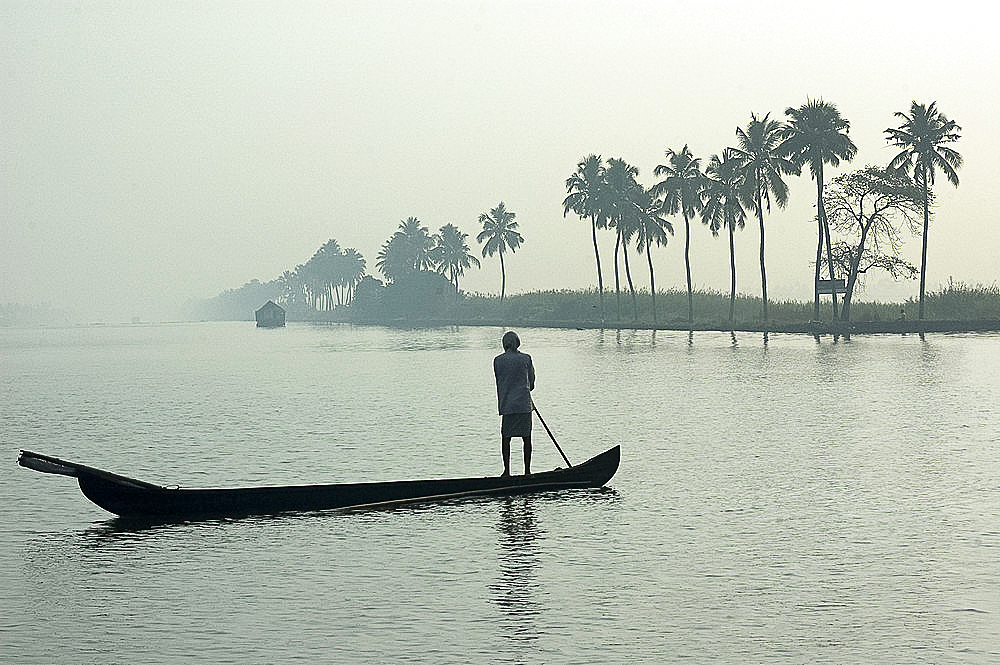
x=159, y=151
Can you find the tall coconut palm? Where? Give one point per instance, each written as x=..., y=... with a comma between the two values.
x=584, y=195
x=724, y=209
x=499, y=233
x=451, y=253
x=650, y=228
x=816, y=134
x=353, y=271
x=922, y=137
x=407, y=250
x=616, y=203
x=392, y=260
x=628, y=228
x=763, y=165
x=680, y=191
x=418, y=241
x=322, y=274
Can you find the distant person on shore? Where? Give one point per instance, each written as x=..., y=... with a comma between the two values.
x=515, y=377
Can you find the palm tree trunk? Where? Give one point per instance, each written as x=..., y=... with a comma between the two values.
x=631, y=286
x=821, y=211
x=597, y=257
x=687, y=268
x=763, y=271
x=923, y=249
x=652, y=282
x=829, y=262
x=819, y=264
x=503, y=276
x=618, y=290
x=732, y=273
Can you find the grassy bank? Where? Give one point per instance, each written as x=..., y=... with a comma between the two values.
x=956, y=307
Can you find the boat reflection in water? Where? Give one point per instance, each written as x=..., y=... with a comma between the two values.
x=516, y=588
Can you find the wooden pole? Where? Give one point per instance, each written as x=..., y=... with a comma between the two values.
x=542, y=420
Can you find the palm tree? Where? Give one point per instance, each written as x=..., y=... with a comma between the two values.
x=451, y=253
x=353, y=271
x=321, y=275
x=628, y=228
x=584, y=194
x=419, y=243
x=816, y=134
x=922, y=136
x=499, y=232
x=650, y=228
x=681, y=192
x=391, y=259
x=408, y=250
x=762, y=166
x=724, y=209
x=616, y=203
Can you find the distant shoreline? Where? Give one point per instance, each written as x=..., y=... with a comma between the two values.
x=815, y=328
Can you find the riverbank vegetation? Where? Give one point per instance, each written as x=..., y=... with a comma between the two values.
x=956, y=304
x=429, y=299
x=860, y=219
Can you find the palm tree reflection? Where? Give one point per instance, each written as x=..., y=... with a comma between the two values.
x=516, y=588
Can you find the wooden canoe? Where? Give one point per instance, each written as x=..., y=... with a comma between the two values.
x=132, y=498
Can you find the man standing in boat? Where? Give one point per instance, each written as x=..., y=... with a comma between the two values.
x=515, y=377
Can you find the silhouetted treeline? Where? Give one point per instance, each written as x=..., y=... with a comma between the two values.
x=870, y=208
x=428, y=298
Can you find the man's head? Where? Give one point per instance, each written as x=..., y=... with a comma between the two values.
x=511, y=341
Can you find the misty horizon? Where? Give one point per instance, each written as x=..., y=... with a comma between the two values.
x=155, y=156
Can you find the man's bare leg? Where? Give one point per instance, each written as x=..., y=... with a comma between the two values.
x=505, y=453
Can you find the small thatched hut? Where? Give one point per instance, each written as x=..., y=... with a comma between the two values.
x=270, y=315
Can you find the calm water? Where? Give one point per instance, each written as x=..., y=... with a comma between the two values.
x=798, y=501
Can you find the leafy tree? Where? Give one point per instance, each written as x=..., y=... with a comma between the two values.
x=680, y=191
x=762, y=165
x=816, y=134
x=368, y=302
x=451, y=253
x=923, y=136
x=585, y=190
x=499, y=233
x=650, y=228
x=617, y=202
x=867, y=206
x=724, y=209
